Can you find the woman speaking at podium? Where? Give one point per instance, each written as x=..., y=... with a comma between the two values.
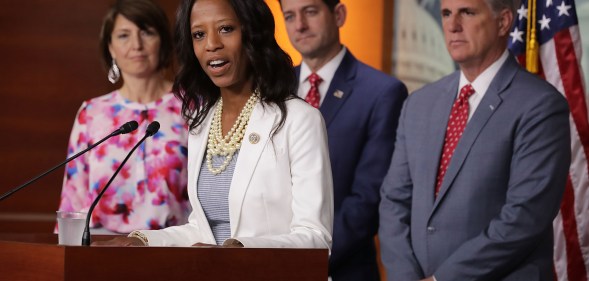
x=150, y=192
x=258, y=165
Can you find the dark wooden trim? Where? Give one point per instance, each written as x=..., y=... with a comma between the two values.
x=387, y=36
x=34, y=257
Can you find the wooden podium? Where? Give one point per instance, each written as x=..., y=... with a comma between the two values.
x=38, y=257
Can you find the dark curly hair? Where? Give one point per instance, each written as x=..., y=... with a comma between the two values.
x=144, y=14
x=271, y=68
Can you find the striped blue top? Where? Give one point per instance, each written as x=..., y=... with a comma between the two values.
x=213, y=194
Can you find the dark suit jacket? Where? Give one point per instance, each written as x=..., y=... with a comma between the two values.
x=361, y=128
x=492, y=219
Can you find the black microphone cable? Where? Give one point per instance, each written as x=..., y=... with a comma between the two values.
x=152, y=128
x=126, y=128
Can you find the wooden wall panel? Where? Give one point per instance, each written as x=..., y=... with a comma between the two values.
x=50, y=63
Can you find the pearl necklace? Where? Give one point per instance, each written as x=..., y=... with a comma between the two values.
x=226, y=146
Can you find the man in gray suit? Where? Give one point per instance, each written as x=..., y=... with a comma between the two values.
x=480, y=162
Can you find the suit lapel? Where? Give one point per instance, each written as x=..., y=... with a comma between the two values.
x=261, y=123
x=199, y=142
x=198, y=148
x=488, y=105
x=440, y=112
x=340, y=88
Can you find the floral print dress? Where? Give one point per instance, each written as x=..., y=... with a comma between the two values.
x=150, y=190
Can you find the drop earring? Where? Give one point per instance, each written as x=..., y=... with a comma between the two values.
x=114, y=73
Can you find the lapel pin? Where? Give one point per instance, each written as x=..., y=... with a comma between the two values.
x=254, y=138
x=491, y=107
x=338, y=94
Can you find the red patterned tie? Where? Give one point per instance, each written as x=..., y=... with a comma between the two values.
x=313, y=97
x=456, y=124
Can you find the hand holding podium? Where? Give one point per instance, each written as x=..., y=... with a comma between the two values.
x=121, y=241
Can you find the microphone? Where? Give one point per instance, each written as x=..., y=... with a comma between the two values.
x=151, y=130
x=126, y=128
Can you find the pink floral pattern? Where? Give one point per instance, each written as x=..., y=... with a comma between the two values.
x=150, y=190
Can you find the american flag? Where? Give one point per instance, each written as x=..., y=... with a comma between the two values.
x=558, y=36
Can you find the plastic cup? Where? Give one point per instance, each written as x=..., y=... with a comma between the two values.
x=70, y=227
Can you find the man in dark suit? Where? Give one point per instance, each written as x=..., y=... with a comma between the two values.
x=480, y=162
x=361, y=106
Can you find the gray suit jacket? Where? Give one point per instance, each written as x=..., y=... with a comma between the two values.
x=493, y=217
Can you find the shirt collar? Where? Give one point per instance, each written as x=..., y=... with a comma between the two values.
x=327, y=71
x=483, y=81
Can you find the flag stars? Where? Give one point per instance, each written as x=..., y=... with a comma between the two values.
x=516, y=35
x=544, y=22
x=522, y=12
x=563, y=9
x=548, y=3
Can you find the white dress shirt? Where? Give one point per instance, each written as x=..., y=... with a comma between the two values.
x=481, y=83
x=326, y=73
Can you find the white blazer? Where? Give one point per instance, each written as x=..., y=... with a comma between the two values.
x=281, y=194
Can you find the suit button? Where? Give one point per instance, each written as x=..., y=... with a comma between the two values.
x=431, y=229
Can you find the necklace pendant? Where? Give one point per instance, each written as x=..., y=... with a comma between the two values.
x=219, y=145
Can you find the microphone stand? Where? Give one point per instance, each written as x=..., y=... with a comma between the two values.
x=117, y=132
x=151, y=130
